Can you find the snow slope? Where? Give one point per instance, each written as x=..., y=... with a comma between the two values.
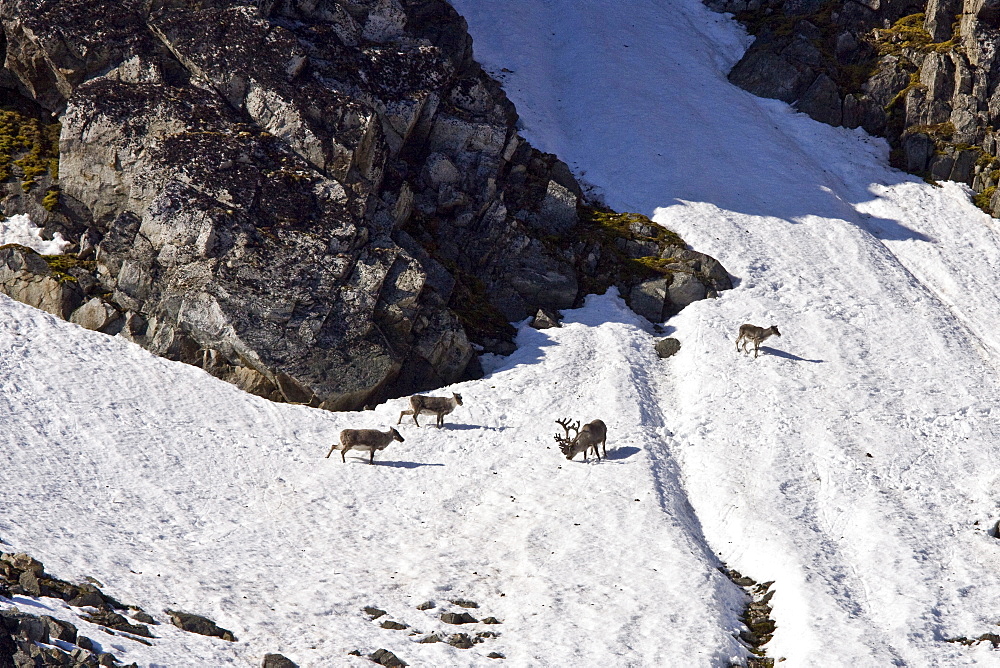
x=884, y=290
x=178, y=491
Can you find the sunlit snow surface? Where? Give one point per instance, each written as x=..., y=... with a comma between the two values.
x=178, y=491
x=20, y=230
x=885, y=291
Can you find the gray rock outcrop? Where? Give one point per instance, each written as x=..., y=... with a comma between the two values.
x=908, y=71
x=324, y=203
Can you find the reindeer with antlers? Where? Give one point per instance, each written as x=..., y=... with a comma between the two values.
x=593, y=434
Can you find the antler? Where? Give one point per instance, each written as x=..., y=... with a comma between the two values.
x=567, y=424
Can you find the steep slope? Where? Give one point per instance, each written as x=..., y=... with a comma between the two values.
x=883, y=288
x=179, y=491
x=323, y=203
x=175, y=490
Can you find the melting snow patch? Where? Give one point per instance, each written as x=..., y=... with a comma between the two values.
x=20, y=230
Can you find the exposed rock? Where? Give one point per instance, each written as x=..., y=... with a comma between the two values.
x=26, y=277
x=667, y=347
x=426, y=605
x=374, y=612
x=277, y=661
x=23, y=562
x=492, y=620
x=60, y=630
x=96, y=314
x=464, y=603
x=460, y=640
x=822, y=101
x=322, y=203
x=198, y=624
x=458, y=618
x=386, y=658
x=545, y=319
x=904, y=70
x=87, y=596
x=112, y=620
x=393, y=626
x=649, y=298
x=24, y=626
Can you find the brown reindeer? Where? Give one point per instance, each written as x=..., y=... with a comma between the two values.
x=364, y=439
x=593, y=434
x=440, y=406
x=756, y=336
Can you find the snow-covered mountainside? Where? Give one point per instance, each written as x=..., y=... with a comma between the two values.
x=852, y=463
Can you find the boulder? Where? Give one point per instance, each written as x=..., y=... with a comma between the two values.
x=198, y=624
x=384, y=657
x=667, y=347
x=26, y=277
x=649, y=298
x=684, y=289
x=545, y=319
x=822, y=101
x=95, y=314
x=458, y=618
x=277, y=661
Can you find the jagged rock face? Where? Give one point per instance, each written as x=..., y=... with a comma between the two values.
x=318, y=200
x=923, y=74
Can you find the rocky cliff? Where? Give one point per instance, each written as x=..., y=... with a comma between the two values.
x=322, y=201
x=922, y=73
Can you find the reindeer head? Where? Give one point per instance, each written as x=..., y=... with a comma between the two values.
x=396, y=435
x=774, y=328
x=566, y=442
x=458, y=398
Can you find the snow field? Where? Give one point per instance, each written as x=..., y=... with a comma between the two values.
x=882, y=286
x=178, y=491
x=20, y=230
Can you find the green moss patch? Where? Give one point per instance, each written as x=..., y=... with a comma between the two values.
x=51, y=199
x=60, y=265
x=982, y=200
x=908, y=33
x=631, y=226
x=28, y=148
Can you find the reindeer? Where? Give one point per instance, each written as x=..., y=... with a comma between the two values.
x=440, y=406
x=592, y=435
x=364, y=439
x=755, y=335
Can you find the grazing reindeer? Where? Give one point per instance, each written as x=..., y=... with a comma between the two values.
x=592, y=435
x=440, y=406
x=755, y=335
x=364, y=439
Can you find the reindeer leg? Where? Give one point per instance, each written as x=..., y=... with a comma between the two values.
x=331, y=450
x=371, y=459
x=415, y=414
x=343, y=455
